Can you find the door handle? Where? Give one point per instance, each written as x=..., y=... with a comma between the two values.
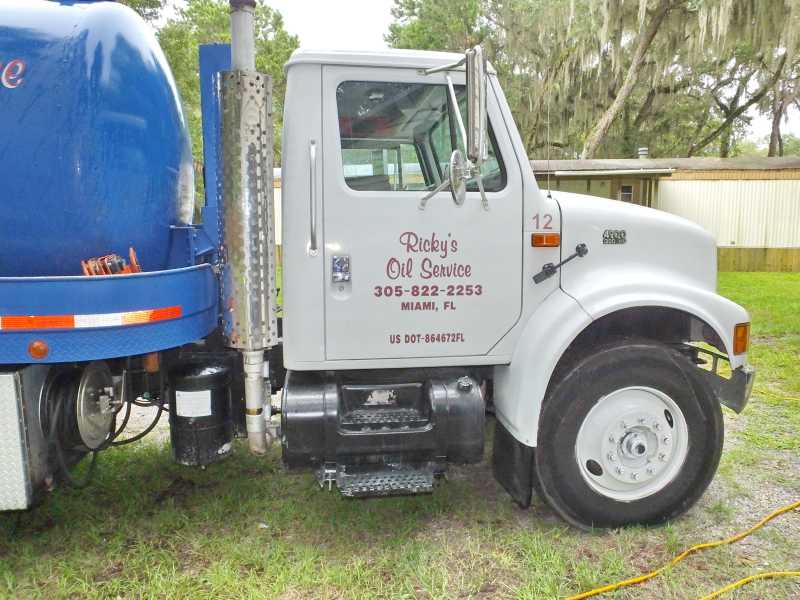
x=312, y=197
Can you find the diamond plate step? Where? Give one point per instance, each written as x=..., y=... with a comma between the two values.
x=385, y=482
x=392, y=418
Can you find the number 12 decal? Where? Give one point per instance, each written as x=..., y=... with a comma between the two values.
x=544, y=221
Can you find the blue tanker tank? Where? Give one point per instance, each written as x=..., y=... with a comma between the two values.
x=94, y=153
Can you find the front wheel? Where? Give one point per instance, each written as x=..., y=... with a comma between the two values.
x=629, y=434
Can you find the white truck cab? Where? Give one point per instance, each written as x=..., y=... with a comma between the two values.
x=398, y=298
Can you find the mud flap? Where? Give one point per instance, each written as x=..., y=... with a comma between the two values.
x=512, y=464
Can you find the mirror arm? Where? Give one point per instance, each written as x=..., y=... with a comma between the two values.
x=447, y=67
x=479, y=179
x=439, y=188
x=457, y=110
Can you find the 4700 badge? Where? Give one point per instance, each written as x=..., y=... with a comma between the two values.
x=447, y=337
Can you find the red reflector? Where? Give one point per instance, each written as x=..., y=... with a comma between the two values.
x=545, y=240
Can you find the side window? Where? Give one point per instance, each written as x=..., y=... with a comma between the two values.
x=381, y=166
x=399, y=137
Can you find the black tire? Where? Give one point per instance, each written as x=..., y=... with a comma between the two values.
x=580, y=387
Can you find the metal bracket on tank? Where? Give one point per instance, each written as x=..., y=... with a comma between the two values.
x=189, y=245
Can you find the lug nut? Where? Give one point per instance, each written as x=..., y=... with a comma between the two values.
x=620, y=470
x=666, y=439
x=610, y=456
x=650, y=470
x=662, y=457
x=464, y=384
x=641, y=420
x=623, y=424
x=634, y=476
x=612, y=439
x=657, y=426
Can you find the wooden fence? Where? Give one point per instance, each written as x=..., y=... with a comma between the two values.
x=758, y=259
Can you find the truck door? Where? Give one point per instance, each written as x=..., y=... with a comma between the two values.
x=401, y=282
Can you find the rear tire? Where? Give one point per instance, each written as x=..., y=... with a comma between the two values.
x=628, y=435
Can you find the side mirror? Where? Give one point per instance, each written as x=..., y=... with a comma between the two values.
x=458, y=175
x=476, y=106
x=475, y=134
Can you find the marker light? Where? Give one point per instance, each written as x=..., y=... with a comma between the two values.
x=545, y=240
x=38, y=349
x=741, y=338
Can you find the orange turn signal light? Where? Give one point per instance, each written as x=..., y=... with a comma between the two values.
x=741, y=338
x=545, y=240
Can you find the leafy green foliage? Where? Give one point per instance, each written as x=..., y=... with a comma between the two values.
x=436, y=25
x=208, y=21
x=748, y=147
x=150, y=10
x=791, y=145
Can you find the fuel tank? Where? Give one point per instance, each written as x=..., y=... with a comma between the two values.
x=95, y=155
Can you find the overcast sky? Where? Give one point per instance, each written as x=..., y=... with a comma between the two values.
x=337, y=24
x=330, y=24
x=361, y=25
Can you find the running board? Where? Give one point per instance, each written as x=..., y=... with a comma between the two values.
x=386, y=480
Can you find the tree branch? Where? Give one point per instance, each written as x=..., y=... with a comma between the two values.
x=736, y=113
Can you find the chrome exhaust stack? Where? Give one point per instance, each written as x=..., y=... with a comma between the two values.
x=249, y=297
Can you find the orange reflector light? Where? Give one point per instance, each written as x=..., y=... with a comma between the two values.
x=38, y=349
x=149, y=316
x=545, y=240
x=38, y=322
x=741, y=338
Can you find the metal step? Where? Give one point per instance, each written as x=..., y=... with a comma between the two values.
x=386, y=481
x=392, y=418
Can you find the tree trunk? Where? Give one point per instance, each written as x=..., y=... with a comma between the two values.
x=775, y=142
x=725, y=143
x=645, y=41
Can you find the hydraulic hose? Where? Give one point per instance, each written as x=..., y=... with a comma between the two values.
x=697, y=548
x=70, y=393
x=140, y=435
x=150, y=427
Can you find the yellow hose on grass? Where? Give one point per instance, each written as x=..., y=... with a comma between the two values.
x=697, y=548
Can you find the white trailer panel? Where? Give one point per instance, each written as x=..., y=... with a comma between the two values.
x=739, y=213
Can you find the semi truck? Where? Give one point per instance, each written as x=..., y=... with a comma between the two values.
x=433, y=305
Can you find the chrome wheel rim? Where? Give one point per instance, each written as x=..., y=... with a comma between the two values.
x=632, y=443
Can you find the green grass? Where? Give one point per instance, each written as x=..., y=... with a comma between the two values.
x=245, y=529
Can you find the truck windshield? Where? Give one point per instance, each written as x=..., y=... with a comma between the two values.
x=399, y=137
